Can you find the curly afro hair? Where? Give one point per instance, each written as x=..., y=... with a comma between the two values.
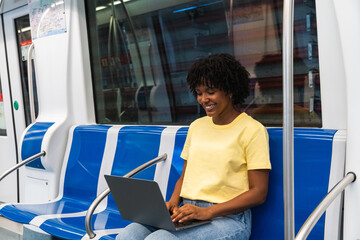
x=221, y=71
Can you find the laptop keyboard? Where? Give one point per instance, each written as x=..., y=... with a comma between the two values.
x=184, y=224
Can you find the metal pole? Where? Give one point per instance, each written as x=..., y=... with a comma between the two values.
x=288, y=120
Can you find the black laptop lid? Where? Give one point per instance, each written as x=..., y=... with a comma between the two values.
x=140, y=201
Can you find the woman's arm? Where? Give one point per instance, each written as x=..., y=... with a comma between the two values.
x=175, y=199
x=258, y=188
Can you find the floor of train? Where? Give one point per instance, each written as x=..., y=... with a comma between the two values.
x=10, y=230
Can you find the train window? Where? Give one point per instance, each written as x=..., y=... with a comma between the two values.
x=2, y=114
x=141, y=51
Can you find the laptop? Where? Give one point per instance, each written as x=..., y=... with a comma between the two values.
x=141, y=201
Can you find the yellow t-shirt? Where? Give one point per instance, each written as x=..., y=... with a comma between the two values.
x=219, y=156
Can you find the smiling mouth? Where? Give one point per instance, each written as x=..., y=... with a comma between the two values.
x=209, y=107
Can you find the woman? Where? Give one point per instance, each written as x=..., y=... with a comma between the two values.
x=226, y=157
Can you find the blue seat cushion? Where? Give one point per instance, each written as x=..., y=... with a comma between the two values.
x=84, y=160
x=312, y=161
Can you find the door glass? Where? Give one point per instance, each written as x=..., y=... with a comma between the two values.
x=2, y=114
x=22, y=25
x=141, y=51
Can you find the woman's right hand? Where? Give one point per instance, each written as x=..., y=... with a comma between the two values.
x=172, y=206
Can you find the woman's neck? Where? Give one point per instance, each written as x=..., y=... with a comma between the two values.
x=226, y=118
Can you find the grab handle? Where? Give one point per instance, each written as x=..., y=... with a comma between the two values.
x=26, y=161
x=89, y=230
x=30, y=83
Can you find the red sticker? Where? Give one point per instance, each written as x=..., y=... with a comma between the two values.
x=25, y=43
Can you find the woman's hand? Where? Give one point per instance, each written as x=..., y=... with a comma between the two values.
x=190, y=212
x=172, y=206
x=175, y=199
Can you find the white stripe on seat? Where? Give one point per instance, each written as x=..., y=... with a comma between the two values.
x=3, y=205
x=167, y=144
x=37, y=221
x=101, y=233
x=334, y=211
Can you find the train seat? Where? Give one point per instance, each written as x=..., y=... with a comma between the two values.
x=312, y=164
x=32, y=142
x=107, y=222
x=135, y=146
x=87, y=148
x=138, y=144
x=95, y=151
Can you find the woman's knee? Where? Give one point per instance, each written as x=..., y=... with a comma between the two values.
x=122, y=235
x=133, y=231
x=161, y=235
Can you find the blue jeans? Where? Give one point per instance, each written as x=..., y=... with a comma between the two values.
x=230, y=227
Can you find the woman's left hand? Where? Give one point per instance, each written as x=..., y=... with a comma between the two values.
x=189, y=212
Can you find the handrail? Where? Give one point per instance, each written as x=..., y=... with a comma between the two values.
x=288, y=120
x=126, y=50
x=102, y=195
x=151, y=62
x=30, y=83
x=320, y=209
x=26, y=161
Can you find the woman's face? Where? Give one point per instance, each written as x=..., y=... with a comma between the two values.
x=216, y=102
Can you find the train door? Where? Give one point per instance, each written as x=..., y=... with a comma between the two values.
x=16, y=42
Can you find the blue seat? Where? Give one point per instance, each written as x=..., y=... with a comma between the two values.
x=135, y=145
x=108, y=221
x=85, y=156
x=32, y=142
x=312, y=161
